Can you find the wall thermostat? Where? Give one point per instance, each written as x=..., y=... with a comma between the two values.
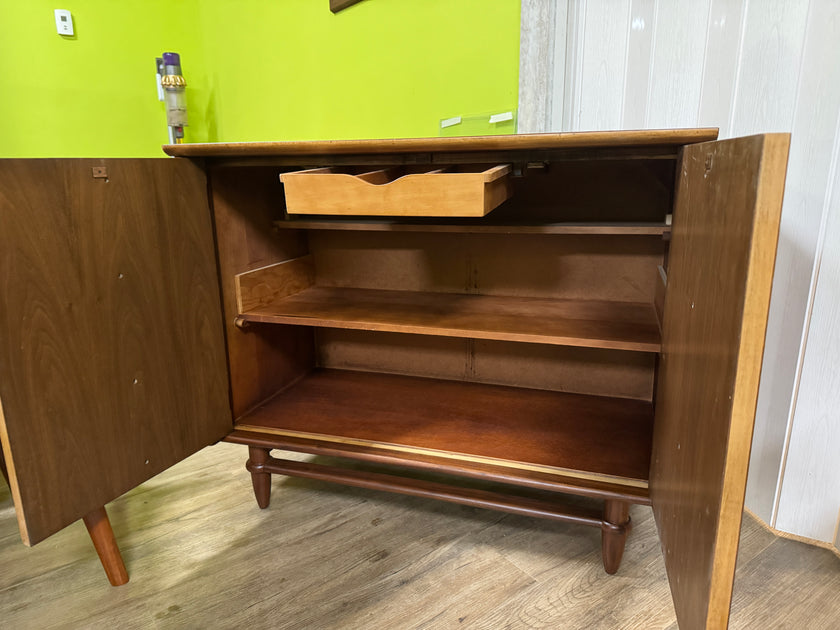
x=63, y=22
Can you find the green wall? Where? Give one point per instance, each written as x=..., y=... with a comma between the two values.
x=256, y=70
x=90, y=95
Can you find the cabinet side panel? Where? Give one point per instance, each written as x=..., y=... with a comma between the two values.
x=111, y=350
x=726, y=222
x=262, y=359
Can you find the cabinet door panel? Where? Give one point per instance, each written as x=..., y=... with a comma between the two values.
x=725, y=229
x=112, y=364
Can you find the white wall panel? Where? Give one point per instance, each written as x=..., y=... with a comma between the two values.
x=814, y=135
x=746, y=66
x=560, y=33
x=564, y=110
x=810, y=492
x=768, y=66
x=723, y=41
x=604, y=53
x=536, y=63
x=637, y=74
x=677, y=63
x=767, y=83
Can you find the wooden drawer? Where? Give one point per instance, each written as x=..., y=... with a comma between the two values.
x=458, y=191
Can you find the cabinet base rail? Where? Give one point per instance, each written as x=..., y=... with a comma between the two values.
x=614, y=522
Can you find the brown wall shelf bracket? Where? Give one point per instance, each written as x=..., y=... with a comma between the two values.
x=339, y=5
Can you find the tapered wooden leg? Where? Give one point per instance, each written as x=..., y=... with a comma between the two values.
x=614, y=533
x=257, y=458
x=99, y=528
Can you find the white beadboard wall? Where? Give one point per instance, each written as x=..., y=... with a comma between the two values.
x=745, y=66
x=810, y=488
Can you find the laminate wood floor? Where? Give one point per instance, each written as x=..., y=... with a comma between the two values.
x=202, y=555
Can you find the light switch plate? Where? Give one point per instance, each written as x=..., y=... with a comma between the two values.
x=63, y=22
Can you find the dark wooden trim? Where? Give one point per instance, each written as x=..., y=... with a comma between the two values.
x=610, y=140
x=518, y=156
x=614, y=533
x=99, y=528
x=433, y=490
x=614, y=523
x=367, y=225
x=257, y=458
x=411, y=461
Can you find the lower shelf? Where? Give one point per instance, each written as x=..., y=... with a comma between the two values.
x=477, y=429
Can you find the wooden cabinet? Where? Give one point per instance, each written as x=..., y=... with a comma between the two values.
x=577, y=340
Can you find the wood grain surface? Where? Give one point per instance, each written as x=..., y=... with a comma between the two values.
x=585, y=323
x=261, y=359
x=203, y=555
x=463, y=192
x=264, y=285
x=615, y=373
x=726, y=223
x=642, y=138
x=575, y=267
x=588, y=436
x=553, y=509
x=102, y=536
x=429, y=462
x=111, y=350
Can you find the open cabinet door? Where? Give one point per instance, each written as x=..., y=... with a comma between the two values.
x=112, y=364
x=725, y=229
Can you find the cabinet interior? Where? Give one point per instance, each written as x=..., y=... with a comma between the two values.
x=525, y=340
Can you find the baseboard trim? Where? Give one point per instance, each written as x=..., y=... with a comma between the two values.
x=796, y=537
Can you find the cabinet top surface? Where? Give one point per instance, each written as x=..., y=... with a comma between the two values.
x=570, y=140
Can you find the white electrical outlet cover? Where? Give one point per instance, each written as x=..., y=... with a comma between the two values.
x=63, y=22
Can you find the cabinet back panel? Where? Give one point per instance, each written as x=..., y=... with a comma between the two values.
x=536, y=366
x=623, y=191
x=620, y=268
x=263, y=358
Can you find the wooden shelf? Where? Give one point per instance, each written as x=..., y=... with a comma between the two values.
x=590, y=438
x=585, y=323
x=368, y=225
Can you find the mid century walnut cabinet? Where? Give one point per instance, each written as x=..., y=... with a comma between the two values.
x=600, y=333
